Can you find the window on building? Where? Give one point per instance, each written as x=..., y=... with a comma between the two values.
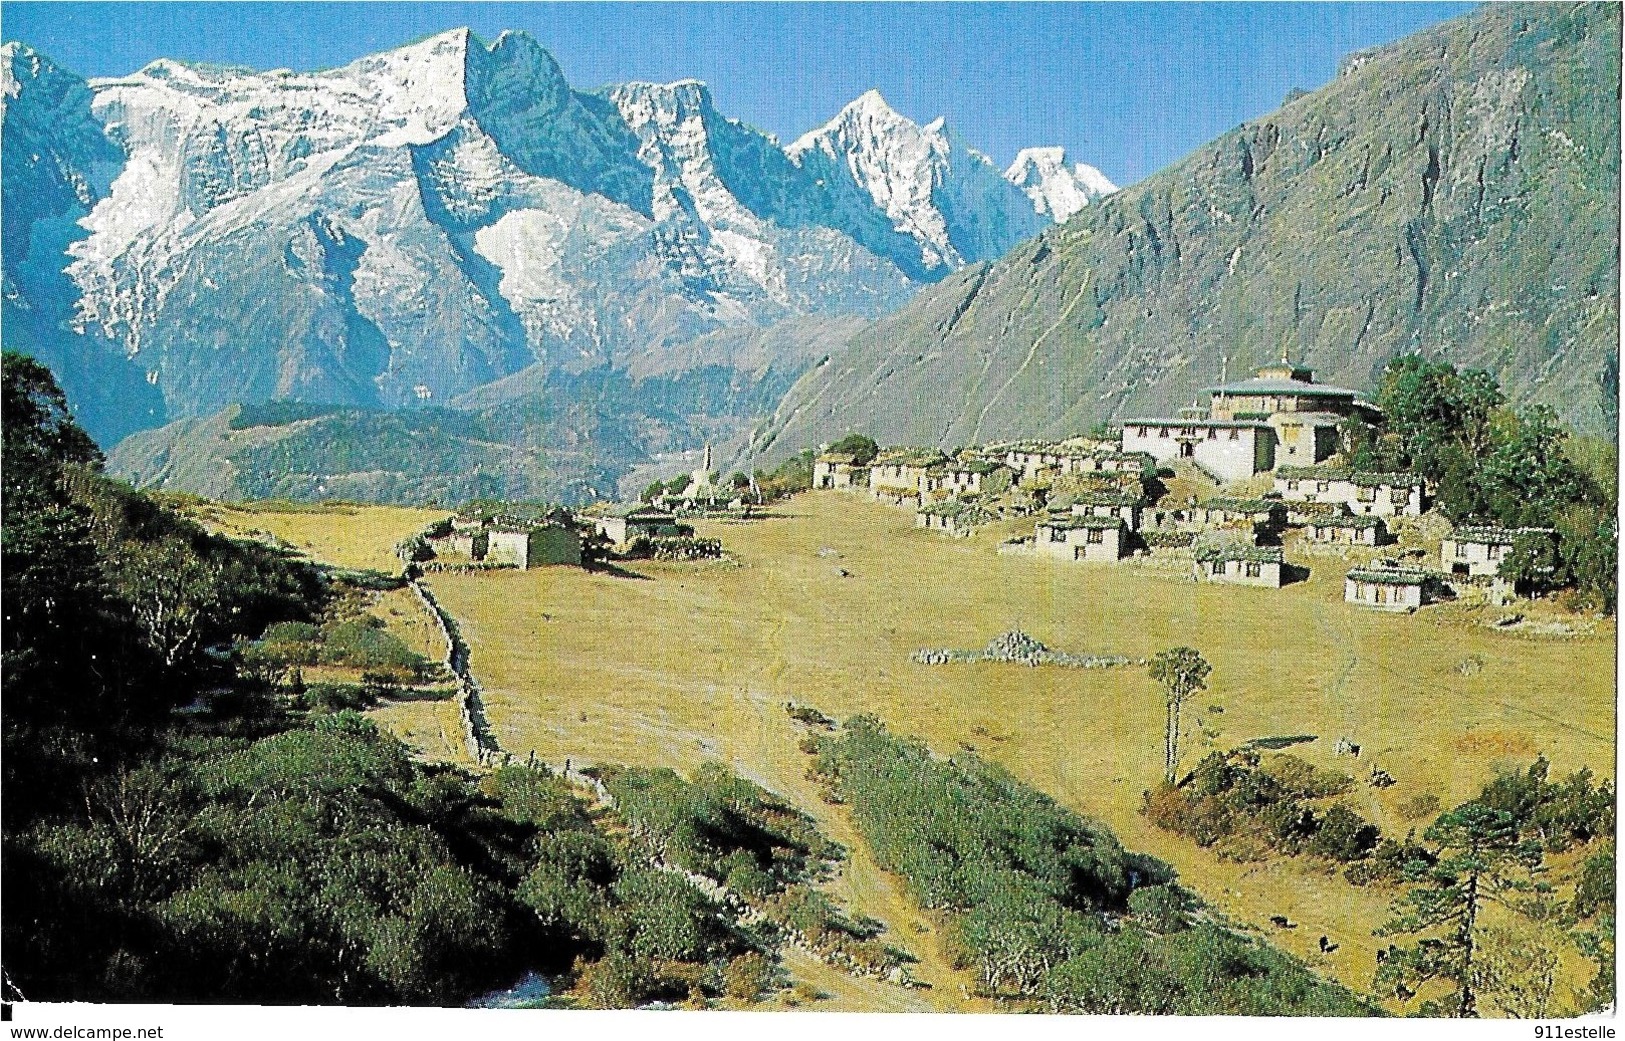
x=1292, y=486
x=1057, y=535
x=1323, y=486
x=1212, y=434
x=1496, y=552
x=1162, y=431
x=1096, y=535
x=1461, y=550
x=1367, y=494
x=1255, y=570
x=1235, y=435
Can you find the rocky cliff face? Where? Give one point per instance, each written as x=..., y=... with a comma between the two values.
x=1454, y=194
x=434, y=220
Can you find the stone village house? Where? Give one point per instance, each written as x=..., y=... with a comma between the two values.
x=1240, y=565
x=1093, y=539
x=1477, y=552
x=1363, y=494
x=1389, y=588
x=1346, y=530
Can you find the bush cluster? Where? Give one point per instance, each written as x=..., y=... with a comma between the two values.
x=1250, y=808
x=1049, y=908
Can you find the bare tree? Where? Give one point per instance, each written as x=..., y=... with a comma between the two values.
x=1182, y=672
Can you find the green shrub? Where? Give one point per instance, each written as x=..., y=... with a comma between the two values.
x=746, y=977
x=1343, y=835
x=1164, y=908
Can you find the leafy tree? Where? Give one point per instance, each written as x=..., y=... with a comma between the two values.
x=1182, y=671
x=861, y=447
x=1532, y=563
x=1481, y=860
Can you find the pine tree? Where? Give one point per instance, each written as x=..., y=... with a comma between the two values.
x=1482, y=860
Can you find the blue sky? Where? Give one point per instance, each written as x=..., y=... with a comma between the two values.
x=1128, y=87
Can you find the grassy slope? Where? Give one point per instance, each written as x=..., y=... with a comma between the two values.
x=364, y=537
x=1456, y=194
x=695, y=662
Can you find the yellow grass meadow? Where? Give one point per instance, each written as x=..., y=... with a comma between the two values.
x=675, y=664
x=823, y=604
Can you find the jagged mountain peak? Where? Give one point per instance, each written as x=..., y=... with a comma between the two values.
x=949, y=200
x=1056, y=190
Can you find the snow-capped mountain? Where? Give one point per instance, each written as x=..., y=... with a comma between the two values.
x=1055, y=191
x=945, y=198
x=430, y=221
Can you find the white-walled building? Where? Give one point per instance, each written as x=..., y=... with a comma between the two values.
x=1477, y=552
x=1241, y=565
x=1364, y=494
x=1279, y=417
x=1389, y=589
x=1093, y=539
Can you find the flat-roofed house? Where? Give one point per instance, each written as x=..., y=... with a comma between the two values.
x=1364, y=494
x=1261, y=516
x=952, y=516
x=1228, y=449
x=462, y=542
x=1389, y=588
x=623, y=525
x=1279, y=417
x=1093, y=539
x=1129, y=507
x=534, y=546
x=895, y=476
x=1477, y=552
x=838, y=470
x=1240, y=565
x=1346, y=529
x=1029, y=459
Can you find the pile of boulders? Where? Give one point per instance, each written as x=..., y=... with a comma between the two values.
x=1019, y=648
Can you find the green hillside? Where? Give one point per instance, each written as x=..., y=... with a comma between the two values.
x=1454, y=194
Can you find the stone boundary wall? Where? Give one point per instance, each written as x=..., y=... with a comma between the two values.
x=481, y=742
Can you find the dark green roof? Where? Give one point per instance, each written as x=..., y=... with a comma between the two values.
x=1391, y=576
x=1261, y=385
x=1343, y=520
x=1345, y=473
x=1242, y=505
x=1250, y=554
x=909, y=457
x=1497, y=535
x=1072, y=523
x=1100, y=498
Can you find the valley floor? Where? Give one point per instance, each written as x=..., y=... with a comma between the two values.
x=823, y=604
x=689, y=662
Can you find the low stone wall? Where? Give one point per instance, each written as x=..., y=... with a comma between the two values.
x=481, y=742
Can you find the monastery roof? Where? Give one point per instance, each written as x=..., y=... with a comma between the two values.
x=1266, y=385
x=1256, y=424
